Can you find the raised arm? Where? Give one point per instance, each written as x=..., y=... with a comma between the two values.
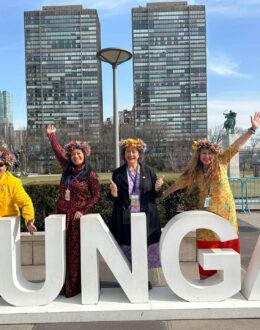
x=255, y=123
x=181, y=183
x=59, y=152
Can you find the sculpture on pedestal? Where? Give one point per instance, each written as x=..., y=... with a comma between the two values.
x=230, y=121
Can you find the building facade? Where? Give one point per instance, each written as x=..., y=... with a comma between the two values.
x=63, y=77
x=6, y=106
x=6, y=119
x=169, y=67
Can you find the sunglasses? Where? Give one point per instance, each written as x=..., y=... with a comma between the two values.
x=2, y=165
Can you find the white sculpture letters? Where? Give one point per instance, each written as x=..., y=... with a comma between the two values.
x=225, y=283
x=13, y=287
x=99, y=238
x=96, y=237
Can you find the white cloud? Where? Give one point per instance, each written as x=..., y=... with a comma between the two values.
x=243, y=107
x=222, y=65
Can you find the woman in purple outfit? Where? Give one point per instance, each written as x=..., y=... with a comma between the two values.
x=134, y=188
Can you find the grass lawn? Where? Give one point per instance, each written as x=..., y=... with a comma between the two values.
x=103, y=177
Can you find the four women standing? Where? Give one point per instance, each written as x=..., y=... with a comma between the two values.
x=134, y=188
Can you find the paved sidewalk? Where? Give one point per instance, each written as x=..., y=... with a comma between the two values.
x=252, y=218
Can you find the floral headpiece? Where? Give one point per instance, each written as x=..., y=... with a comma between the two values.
x=133, y=143
x=76, y=144
x=206, y=144
x=6, y=157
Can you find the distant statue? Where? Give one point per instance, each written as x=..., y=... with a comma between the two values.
x=230, y=122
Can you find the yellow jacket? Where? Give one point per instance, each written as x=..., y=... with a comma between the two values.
x=13, y=197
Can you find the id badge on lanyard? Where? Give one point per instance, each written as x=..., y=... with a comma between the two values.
x=134, y=200
x=67, y=195
x=207, y=201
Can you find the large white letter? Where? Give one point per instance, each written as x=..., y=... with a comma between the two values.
x=95, y=236
x=13, y=287
x=251, y=284
x=225, y=283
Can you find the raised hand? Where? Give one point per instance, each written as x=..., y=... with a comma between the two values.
x=255, y=121
x=113, y=188
x=51, y=129
x=159, y=183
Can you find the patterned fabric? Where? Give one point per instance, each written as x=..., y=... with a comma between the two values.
x=79, y=201
x=152, y=253
x=13, y=197
x=222, y=201
x=232, y=244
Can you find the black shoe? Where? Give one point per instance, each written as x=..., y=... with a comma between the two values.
x=150, y=285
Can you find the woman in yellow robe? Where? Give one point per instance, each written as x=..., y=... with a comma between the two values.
x=208, y=171
x=13, y=197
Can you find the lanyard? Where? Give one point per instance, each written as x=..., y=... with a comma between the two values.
x=133, y=177
x=73, y=179
x=208, y=187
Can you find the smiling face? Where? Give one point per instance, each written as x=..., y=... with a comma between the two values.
x=206, y=157
x=131, y=156
x=77, y=157
x=3, y=168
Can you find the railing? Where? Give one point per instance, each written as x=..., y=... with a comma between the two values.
x=252, y=192
x=246, y=192
x=237, y=187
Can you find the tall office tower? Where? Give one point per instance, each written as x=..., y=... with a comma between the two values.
x=170, y=82
x=6, y=106
x=63, y=77
x=6, y=119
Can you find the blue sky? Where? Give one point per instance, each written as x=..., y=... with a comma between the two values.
x=233, y=54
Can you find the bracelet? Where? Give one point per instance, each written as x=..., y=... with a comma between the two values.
x=251, y=130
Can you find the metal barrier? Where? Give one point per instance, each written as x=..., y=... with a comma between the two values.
x=252, y=192
x=238, y=190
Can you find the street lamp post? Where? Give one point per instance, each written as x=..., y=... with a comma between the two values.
x=115, y=56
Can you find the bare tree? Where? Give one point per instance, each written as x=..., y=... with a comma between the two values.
x=179, y=154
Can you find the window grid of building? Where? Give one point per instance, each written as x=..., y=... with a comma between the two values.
x=63, y=75
x=169, y=53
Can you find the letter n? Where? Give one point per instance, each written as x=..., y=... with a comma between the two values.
x=96, y=237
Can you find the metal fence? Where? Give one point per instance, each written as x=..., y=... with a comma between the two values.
x=246, y=192
x=237, y=187
x=252, y=192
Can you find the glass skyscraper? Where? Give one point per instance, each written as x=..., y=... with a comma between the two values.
x=169, y=60
x=63, y=76
x=6, y=106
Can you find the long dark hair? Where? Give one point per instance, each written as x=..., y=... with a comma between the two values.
x=69, y=169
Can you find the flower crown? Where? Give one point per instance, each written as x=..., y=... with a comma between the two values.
x=133, y=143
x=206, y=144
x=76, y=144
x=7, y=157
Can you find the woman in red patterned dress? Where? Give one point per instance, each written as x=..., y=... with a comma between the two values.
x=78, y=193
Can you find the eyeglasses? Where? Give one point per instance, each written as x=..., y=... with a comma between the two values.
x=2, y=165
